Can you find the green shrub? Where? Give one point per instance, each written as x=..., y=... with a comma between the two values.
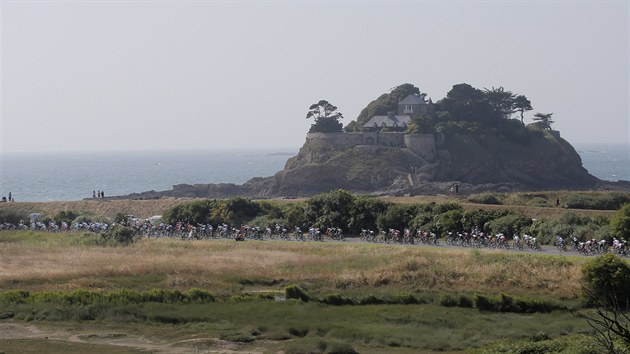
x=13, y=216
x=484, y=303
x=200, y=296
x=450, y=220
x=406, y=299
x=236, y=211
x=509, y=224
x=448, y=300
x=295, y=292
x=14, y=297
x=264, y=221
x=266, y=296
x=397, y=216
x=294, y=215
x=241, y=298
x=606, y=281
x=508, y=303
x=484, y=198
x=336, y=300
x=466, y=301
x=83, y=297
x=371, y=300
x=364, y=213
x=123, y=296
x=66, y=216
x=620, y=222
x=121, y=235
x=598, y=201
x=197, y=212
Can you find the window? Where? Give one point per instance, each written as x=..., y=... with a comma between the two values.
x=408, y=108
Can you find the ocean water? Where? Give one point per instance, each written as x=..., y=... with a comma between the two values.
x=608, y=162
x=48, y=177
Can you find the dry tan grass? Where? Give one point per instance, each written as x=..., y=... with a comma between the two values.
x=221, y=265
x=108, y=208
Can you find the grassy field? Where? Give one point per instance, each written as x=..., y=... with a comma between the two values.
x=43, y=261
x=240, y=319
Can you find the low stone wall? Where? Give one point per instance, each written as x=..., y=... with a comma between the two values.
x=337, y=140
x=391, y=139
x=422, y=144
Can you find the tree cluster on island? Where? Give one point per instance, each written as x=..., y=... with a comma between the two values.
x=464, y=107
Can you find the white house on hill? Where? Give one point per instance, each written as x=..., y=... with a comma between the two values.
x=407, y=107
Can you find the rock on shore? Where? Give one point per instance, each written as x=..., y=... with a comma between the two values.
x=476, y=162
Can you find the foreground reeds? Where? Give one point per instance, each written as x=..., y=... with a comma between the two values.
x=363, y=297
x=39, y=261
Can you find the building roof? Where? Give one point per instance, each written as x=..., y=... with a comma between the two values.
x=387, y=121
x=413, y=99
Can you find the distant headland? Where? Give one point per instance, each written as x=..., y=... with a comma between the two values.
x=401, y=143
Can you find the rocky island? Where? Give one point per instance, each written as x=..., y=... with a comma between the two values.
x=402, y=143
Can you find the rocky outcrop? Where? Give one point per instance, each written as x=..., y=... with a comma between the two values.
x=477, y=162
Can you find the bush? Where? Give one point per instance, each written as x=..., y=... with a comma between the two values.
x=66, y=216
x=121, y=235
x=336, y=300
x=448, y=221
x=295, y=292
x=509, y=224
x=478, y=218
x=200, y=296
x=620, y=222
x=294, y=215
x=13, y=216
x=371, y=300
x=197, y=212
x=484, y=303
x=448, y=300
x=484, y=198
x=598, y=201
x=508, y=303
x=451, y=300
x=14, y=297
x=606, y=282
x=364, y=213
x=397, y=216
x=406, y=299
x=236, y=211
x=466, y=301
x=570, y=224
x=330, y=209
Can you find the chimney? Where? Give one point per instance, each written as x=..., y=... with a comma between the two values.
x=390, y=115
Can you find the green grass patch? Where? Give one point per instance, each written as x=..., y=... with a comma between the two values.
x=543, y=343
x=89, y=297
x=412, y=327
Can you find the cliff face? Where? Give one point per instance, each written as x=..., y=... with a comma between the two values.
x=544, y=161
x=360, y=169
x=477, y=161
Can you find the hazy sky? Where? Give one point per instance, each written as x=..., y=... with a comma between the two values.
x=118, y=75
